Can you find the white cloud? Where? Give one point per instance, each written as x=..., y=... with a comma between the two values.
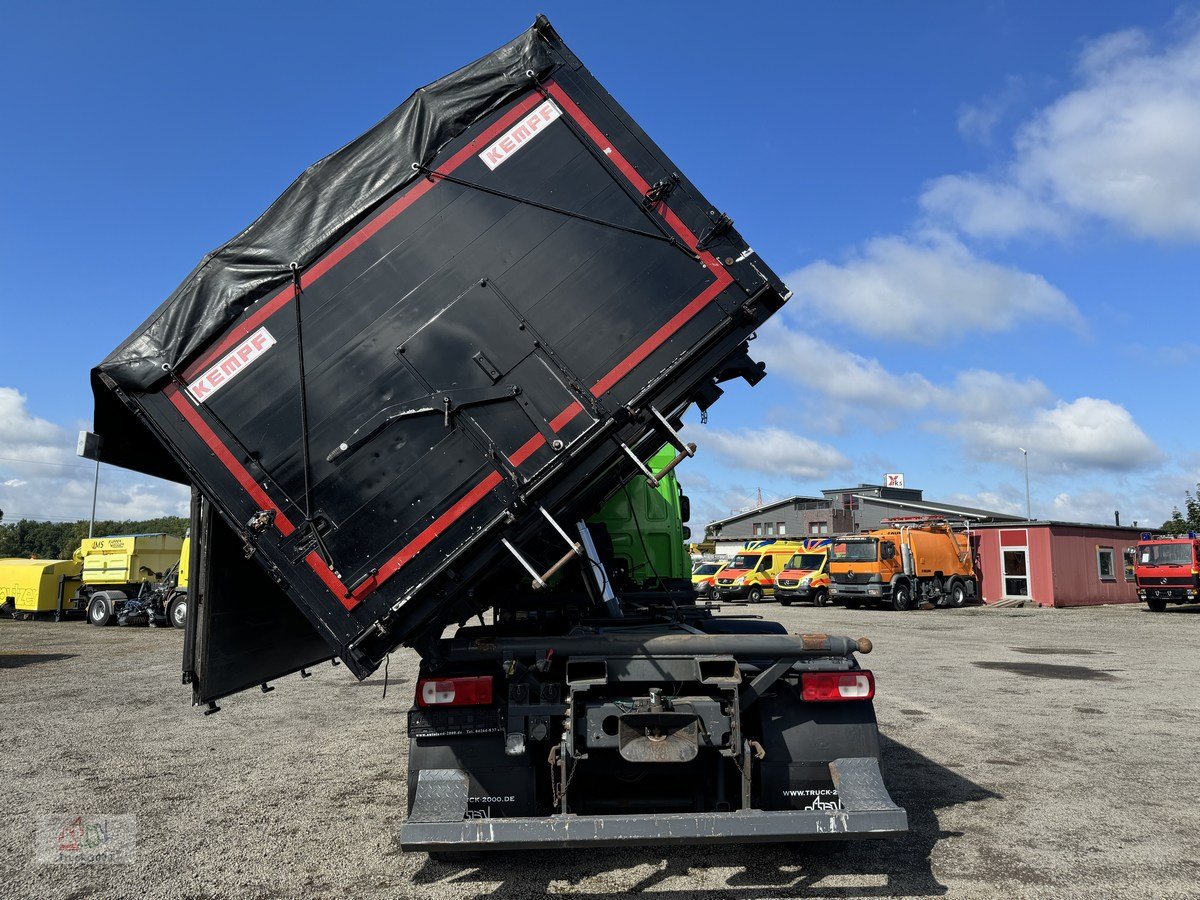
x=41, y=478
x=775, y=452
x=1123, y=146
x=850, y=378
x=976, y=121
x=926, y=288
x=1084, y=434
x=991, y=413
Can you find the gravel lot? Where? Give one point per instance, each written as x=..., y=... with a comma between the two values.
x=1038, y=752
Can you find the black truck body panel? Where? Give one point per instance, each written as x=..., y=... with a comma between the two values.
x=455, y=347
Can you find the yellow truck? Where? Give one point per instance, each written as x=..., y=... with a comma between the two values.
x=905, y=565
x=133, y=579
x=751, y=573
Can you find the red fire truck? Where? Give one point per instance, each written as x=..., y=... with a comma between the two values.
x=1168, y=569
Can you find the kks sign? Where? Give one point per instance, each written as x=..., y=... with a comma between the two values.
x=894, y=479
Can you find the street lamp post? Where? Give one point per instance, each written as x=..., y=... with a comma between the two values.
x=89, y=448
x=1028, y=513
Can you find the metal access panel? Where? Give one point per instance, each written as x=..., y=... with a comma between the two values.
x=480, y=343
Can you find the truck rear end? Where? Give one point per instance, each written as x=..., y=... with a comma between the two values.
x=406, y=397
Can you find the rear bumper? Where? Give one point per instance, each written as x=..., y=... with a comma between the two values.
x=439, y=821
x=685, y=828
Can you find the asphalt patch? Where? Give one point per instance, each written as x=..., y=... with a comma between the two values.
x=17, y=660
x=1048, y=670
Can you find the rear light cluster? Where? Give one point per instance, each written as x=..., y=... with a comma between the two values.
x=473, y=691
x=825, y=687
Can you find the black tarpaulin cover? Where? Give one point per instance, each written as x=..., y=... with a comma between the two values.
x=320, y=206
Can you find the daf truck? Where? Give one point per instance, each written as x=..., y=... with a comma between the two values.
x=402, y=395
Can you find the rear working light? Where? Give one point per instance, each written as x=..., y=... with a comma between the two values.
x=473, y=691
x=821, y=687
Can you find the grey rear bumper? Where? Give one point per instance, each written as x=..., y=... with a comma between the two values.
x=868, y=812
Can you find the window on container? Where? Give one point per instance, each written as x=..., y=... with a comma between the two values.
x=781, y=528
x=818, y=528
x=1130, y=556
x=1106, y=564
x=770, y=528
x=758, y=529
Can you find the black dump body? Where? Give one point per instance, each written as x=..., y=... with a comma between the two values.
x=459, y=320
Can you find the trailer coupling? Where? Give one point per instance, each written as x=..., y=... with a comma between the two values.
x=440, y=820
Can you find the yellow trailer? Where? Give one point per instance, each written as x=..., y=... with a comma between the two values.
x=33, y=586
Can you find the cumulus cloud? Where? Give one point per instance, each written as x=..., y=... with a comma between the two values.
x=848, y=377
x=926, y=288
x=990, y=413
x=976, y=121
x=42, y=478
x=1123, y=146
x=1084, y=434
x=774, y=451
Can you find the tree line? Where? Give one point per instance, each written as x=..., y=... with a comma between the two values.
x=58, y=540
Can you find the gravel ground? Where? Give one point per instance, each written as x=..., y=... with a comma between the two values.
x=1038, y=753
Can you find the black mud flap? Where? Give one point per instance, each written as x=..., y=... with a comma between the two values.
x=242, y=629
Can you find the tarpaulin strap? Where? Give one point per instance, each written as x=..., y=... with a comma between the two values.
x=675, y=242
x=618, y=179
x=309, y=523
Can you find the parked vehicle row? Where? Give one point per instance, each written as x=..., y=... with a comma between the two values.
x=906, y=564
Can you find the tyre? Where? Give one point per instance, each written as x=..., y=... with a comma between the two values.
x=177, y=612
x=755, y=595
x=100, y=611
x=1156, y=604
x=852, y=604
x=785, y=601
x=902, y=598
x=958, y=594
x=821, y=597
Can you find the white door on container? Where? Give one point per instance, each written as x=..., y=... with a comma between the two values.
x=1015, y=572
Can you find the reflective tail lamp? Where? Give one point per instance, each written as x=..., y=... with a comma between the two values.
x=475, y=690
x=826, y=687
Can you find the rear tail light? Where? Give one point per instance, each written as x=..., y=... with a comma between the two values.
x=473, y=691
x=823, y=687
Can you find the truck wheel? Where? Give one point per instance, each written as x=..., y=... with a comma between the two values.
x=958, y=594
x=1156, y=604
x=785, y=601
x=755, y=595
x=852, y=604
x=821, y=598
x=177, y=612
x=902, y=598
x=100, y=611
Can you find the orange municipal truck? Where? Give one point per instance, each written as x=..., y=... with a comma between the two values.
x=909, y=561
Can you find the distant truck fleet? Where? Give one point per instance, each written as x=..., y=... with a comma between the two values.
x=121, y=579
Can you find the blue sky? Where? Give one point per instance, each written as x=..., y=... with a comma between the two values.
x=989, y=214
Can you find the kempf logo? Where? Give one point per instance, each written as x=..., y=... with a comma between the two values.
x=223, y=370
x=520, y=135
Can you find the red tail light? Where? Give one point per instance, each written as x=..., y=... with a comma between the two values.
x=473, y=691
x=824, y=687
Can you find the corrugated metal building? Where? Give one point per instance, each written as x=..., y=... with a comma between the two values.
x=837, y=511
x=1055, y=563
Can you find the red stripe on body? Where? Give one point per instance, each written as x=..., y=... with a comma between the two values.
x=492, y=480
